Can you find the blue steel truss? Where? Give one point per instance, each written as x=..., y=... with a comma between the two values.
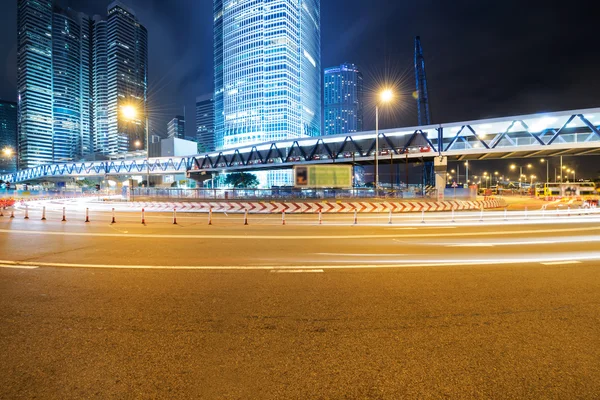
x=570, y=132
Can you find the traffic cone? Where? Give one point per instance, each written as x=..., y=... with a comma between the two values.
x=113, y=217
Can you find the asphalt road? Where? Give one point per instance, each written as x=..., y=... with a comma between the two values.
x=465, y=310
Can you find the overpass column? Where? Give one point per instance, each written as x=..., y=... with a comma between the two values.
x=440, y=164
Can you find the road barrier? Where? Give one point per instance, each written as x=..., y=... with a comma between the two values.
x=276, y=207
x=455, y=216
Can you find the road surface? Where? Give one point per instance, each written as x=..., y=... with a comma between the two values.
x=493, y=309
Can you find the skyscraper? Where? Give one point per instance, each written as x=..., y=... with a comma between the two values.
x=74, y=73
x=34, y=82
x=205, y=123
x=343, y=88
x=267, y=59
x=126, y=80
x=176, y=127
x=71, y=85
x=8, y=136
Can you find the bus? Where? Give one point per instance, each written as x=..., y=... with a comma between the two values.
x=583, y=190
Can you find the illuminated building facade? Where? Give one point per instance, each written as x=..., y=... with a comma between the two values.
x=267, y=70
x=343, y=99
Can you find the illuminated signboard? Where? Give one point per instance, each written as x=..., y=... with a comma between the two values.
x=323, y=176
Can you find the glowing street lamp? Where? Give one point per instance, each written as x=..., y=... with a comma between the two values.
x=8, y=152
x=129, y=112
x=513, y=167
x=384, y=97
x=547, y=162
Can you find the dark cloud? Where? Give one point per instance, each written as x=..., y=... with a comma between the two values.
x=484, y=58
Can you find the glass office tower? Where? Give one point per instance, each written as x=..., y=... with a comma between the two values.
x=34, y=82
x=71, y=85
x=176, y=127
x=343, y=99
x=267, y=70
x=8, y=136
x=205, y=123
x=127, y=80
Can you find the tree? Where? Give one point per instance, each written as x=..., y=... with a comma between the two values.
x=241, y=180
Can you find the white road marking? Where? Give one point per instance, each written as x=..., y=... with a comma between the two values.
x=431, y=226
x=359, y=254
x=561, y=262
x=301, y=237
x=571, y=259
x=470, y=245
x=294, y=271
x=19, y=266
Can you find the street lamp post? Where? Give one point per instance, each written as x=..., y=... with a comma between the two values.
x=547, y=162
x=386, y=96
x=513, y=167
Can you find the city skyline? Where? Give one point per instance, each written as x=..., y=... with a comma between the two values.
x=475, y=60
x=82, y=83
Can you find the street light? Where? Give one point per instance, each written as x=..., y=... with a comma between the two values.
x=513, y=167
x=544, y=161
x=130, y=112
x=7, y=151
x=385, y=97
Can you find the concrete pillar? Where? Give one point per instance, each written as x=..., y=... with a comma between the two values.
x=440, y=165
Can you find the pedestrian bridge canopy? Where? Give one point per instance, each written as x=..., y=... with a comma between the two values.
x=574, y=132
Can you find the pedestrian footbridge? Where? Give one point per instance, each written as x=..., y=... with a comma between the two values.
x=575, y=133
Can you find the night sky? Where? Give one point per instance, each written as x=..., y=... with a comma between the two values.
x=483, y=58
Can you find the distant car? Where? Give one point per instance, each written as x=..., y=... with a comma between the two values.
x=270, y=161
x=347, y=154
x=316, y=157
x=384, y=152
x=424, y=149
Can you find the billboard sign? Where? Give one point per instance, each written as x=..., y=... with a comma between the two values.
x=323, y=176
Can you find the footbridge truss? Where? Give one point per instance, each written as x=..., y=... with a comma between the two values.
x=538, y=135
